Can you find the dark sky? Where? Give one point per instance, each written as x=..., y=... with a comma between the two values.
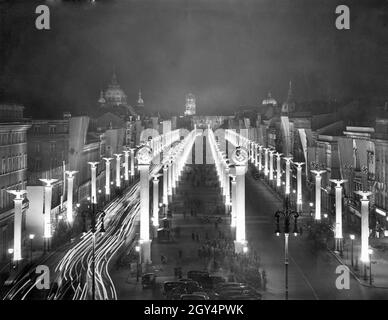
x=228, y=53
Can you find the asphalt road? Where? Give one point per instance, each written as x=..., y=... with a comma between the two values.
x=311, y=273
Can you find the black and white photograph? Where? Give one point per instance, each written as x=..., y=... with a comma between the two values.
x=214, y=150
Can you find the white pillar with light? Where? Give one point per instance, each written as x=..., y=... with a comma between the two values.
x=338, y=214
x=278, y=170
x=240, y=158
x=17, y=226
x=266, y=161
x=288, y=175
x=69, y=204
x=132, y=150
x=155, y=208
x=318, y=180
x=126, y=165
x=144, y=158
x=260, y=157
x=364, y=225
x=48, y=191
x=299, y=200
x=93, y=168
x=165, y=184
x=118, y=167
x=227, y=188
x=271, y=152
x=234, y=202
x=107, y=175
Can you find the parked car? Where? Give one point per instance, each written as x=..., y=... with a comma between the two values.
x=148, y=280
x=168, y=286
x=192, y=296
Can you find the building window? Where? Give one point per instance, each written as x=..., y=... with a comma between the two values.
x=36, y=129
x=37, y=147
x=52, y=129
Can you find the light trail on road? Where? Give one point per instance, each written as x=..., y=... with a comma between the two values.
x=76, y=265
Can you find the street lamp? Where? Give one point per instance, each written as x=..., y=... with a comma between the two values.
x=31, y=237
x=352, y=237
x=10, y=252
x=287, y=214
x=370, y=251
x=137, y=248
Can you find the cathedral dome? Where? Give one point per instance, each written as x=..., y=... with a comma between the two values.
x=114, y=95
x=269, y=100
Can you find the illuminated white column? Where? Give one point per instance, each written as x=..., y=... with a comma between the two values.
x=256, y=155
x=278, y=170
x=260, y=158
x=266, y=161
x=48, y=191
x=93, y=168
x=132, y=162
x=169, y=185
x=318, y=180
x=234, y=202
x=118, y=173
x=338, y=214
x=288, y=174
x=17, y=225
x=364, y=225
x=155, y=208
x=299, y=185
x=69, y=205
x=271, y=152
x=144, y=158
x=165, y=184
x=126, y=165
x=240, y=158
x=227, y=188
x=107, y=175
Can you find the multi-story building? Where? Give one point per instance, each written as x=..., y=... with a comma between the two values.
x=13, y=168
x=48, y=148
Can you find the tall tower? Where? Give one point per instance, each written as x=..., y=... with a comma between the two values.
x=289, y=105
x=140, y=101
x=190, y=105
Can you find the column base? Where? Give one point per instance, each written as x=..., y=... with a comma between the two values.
x=145, y=250
x=240, y=245
x=339, y=245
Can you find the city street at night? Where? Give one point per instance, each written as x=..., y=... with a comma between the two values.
x=194, y=157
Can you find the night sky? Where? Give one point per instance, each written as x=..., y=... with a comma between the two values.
x=227, y=53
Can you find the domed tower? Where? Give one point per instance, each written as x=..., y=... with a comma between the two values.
x=114, y=95
x=139, y=104
x=190, y=105
x=269, y=101
x=289, y=105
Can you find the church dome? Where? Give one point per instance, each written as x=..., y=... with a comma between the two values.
x=114, y=95
x=269, y=100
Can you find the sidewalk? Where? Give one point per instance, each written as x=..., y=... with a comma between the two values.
x=379, y=259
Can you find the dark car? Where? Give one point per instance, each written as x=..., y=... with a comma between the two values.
x=148, y=280
x=168, y=286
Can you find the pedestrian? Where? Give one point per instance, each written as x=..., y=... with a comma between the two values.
x=197, y=237
x=216, y=224
x=180, y=253
x=206, y=236
x=193, y=236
